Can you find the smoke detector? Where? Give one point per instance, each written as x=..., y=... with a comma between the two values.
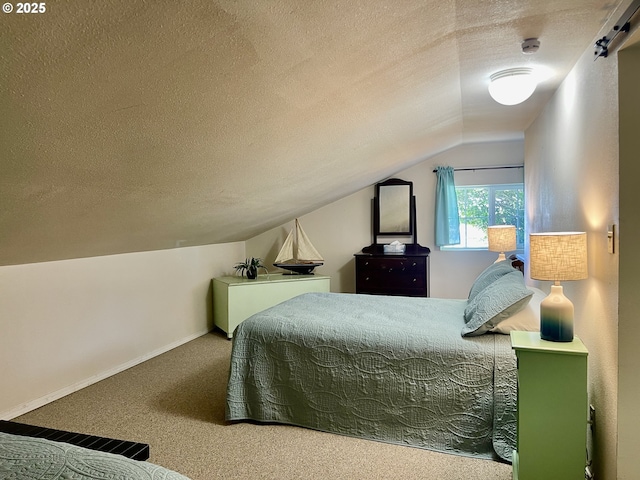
x=530, y=45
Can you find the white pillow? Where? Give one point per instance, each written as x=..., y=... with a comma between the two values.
x=527, y=319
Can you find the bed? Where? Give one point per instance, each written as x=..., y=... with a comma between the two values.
x=423, y=372
x=31, y=458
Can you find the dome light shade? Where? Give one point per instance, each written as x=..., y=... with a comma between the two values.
x=512, y=86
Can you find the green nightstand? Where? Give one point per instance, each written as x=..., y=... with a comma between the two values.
x=552, y=408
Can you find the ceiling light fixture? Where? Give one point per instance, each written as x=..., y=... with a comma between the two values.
x=512, y=86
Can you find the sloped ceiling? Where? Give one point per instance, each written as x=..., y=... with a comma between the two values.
x=141, y=125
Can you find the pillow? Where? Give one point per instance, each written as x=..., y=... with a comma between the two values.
x=490, y=275
x=501, y=299
x=527, y=319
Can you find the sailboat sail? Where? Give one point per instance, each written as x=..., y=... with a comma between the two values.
x=298, y=253
x=306, y=251
x=286, y=252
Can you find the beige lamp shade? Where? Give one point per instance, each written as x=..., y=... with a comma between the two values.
x=558, y=256
x=502, y=238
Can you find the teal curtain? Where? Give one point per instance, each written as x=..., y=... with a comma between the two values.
x=447, y=217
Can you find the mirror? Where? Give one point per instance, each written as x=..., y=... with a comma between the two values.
x=394, y=212
x=394, y=209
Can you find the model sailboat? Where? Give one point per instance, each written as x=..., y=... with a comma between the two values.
x=298, y=254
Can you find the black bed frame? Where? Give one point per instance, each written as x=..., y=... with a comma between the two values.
x=133, y=450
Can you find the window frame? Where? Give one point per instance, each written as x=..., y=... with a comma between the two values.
x=492, y=189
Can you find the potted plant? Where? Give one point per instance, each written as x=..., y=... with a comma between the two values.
x=250, y=266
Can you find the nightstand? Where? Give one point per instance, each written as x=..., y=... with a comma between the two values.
x=552, y=408
x=237, y=298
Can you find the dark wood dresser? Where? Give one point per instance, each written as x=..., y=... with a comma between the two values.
x=380, y=273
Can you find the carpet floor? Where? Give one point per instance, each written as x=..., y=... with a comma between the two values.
x=175, y=402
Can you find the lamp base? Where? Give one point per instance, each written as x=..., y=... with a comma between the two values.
x=556, y=316
x=501, y=257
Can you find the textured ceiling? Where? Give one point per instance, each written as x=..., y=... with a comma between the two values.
x=141, y=125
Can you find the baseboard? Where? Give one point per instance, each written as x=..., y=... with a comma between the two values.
x=39, y=402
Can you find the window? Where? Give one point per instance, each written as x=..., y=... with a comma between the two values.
x=484, y=205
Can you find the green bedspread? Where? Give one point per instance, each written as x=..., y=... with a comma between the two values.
x=29, y=458
x=392, y=369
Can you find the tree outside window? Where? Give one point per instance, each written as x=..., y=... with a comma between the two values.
x=483, y=205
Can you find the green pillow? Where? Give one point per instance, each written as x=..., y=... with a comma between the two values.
x=490, y=275
x=501, y=299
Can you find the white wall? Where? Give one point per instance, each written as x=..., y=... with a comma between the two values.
x=342, y=228
x=67, y=324
x=337, y=231
x=571, y=183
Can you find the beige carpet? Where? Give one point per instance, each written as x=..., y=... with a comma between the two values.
x=175, y=402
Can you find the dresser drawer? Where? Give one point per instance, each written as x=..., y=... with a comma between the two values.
x=394, y=272
x=392, y=275
x=398, y=265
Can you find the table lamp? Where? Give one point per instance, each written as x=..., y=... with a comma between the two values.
x=502, y=238
x=557, y=256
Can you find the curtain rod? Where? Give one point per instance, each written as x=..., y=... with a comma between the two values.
x=484, y=168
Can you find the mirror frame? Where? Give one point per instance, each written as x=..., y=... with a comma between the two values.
x=380, y=207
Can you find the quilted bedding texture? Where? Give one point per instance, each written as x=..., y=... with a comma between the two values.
x=391, y=369
x=29, y=458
